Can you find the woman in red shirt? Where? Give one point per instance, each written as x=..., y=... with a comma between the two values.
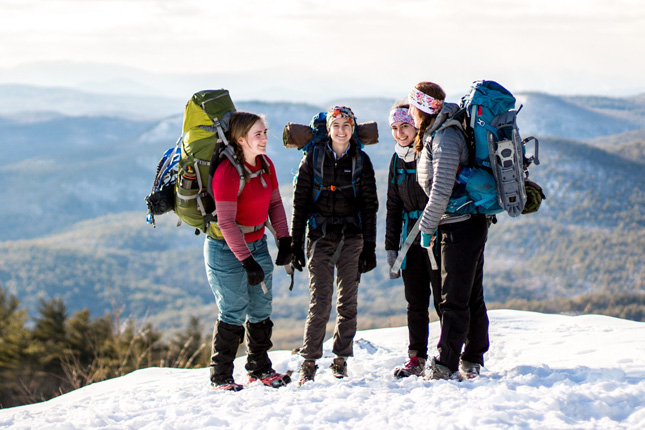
x=238, y=263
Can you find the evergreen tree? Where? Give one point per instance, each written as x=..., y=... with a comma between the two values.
x=49, y=335
x=14, y=342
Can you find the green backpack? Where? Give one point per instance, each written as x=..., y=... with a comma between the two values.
x=203, y=146
x=184, y=177
x=185, y=173
x=203, y=141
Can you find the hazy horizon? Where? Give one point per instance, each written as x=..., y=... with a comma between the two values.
x=309, y=52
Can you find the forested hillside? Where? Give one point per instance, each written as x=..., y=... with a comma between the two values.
x=75, y=227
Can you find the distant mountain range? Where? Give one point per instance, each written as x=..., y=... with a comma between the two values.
x=73, y=219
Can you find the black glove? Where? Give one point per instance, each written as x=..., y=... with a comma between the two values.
x=253, y=270
x=297, y=256
x=367, y=259
x=284, y=251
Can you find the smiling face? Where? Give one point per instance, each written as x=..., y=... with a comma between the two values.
x=255, y=141
x=403, y=133
x=340, y=131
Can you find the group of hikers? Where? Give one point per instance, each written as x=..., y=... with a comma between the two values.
x=333, y=230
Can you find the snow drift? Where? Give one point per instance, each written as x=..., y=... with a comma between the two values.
x=542, y=372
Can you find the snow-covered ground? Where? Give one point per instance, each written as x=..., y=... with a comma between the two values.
x=542, y=372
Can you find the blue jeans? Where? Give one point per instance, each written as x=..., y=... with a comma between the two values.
x=236, y=299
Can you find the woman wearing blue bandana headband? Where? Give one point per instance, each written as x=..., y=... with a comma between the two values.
x=443, y=151
x=335, y=205
x=405, y=203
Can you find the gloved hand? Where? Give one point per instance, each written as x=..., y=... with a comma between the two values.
x=426, y=239
x=367, y=259
x=253, y=270
x=284, y=251
x=391, y=258
x=297, y=256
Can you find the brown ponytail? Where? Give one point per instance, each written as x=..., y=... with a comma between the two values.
x=426, y=122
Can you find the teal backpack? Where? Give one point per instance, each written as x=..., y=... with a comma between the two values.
x=495, y=178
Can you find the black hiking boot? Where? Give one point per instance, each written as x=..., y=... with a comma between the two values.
x=226, y=340
x=339, y=367
x=307, y=371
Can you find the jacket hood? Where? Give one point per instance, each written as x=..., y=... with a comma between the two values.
x=449, y=109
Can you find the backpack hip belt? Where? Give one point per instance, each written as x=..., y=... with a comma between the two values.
x=251, y=228
x=316, y=221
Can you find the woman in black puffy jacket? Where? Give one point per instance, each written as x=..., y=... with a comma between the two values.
x=405, y=203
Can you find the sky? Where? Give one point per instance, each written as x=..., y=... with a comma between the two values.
x=308, y=49
x=542, y=372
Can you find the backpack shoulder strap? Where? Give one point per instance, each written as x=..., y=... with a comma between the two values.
x=357, y=170
x=229, y=153
x=393, y=167
x=318, y=161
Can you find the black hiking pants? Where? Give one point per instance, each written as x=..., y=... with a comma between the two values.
x=420, y=282
x=464, y=320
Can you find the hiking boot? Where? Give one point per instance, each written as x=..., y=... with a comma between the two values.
x=415, y=366
x=468, y=369
x=339, y=367
x=271, y=379
x=227, y=384
x=439, y=371
x=307, y=371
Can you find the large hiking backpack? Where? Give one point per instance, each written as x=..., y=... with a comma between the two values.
x=495, y=178
x=188, y=168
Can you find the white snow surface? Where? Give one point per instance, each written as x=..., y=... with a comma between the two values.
x=542, y=372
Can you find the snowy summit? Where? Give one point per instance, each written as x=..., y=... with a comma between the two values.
x=542, y=372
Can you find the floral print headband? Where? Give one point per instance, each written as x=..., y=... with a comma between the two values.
x=401, y=114
x=340, y=112
x=424, y=102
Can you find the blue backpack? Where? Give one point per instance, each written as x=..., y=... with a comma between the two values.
x=494, y=180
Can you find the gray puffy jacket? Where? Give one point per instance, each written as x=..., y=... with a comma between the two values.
x=437, y=166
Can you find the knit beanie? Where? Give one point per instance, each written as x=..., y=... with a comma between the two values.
x=340, y=112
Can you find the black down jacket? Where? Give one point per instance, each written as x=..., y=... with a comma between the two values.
x=335, y=210
x=403, y=195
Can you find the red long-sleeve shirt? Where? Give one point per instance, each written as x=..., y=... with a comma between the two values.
x=251, y=208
